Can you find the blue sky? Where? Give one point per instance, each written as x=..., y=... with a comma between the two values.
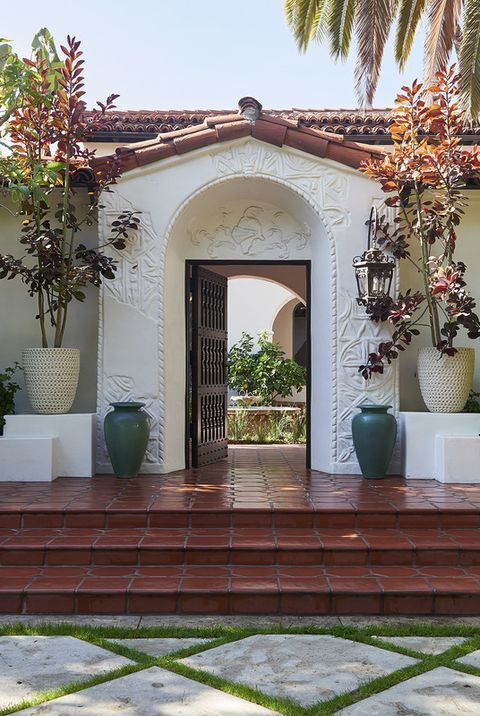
x=165, y=54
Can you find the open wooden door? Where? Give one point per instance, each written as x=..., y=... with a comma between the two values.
x=209, y=367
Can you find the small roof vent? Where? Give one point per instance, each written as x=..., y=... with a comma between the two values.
x=250, y=108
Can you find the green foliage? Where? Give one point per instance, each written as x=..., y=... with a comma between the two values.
x=263, y=371
x=8, y=388
x=237, y=425
x=44, y=120
x=365, y=26
x=246, y=426
x=473, y=404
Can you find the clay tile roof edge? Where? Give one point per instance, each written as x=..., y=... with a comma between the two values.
x=270, y=129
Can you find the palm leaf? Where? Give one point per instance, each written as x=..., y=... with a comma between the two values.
x=373, y=20
x=409, y=15
x=341, y=14
x=306, y=19
x=470, y=59
x=442, y=17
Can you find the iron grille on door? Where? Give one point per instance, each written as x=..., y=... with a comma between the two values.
x=209, y=367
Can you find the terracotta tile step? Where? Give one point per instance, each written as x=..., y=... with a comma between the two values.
x=133, y=546
x=246, y=590
x=318, y=515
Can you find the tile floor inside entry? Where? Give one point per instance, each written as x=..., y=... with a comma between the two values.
x=244, y=674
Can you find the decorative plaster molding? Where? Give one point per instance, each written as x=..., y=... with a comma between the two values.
x=326, y=187
x=358, y=336
x=138, y=283
x=250, y=231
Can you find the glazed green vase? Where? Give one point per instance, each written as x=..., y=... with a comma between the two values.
x=374, y=432
x=127, y=429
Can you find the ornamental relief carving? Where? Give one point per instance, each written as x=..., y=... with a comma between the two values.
x=357, y=337
x=325, y=187
x=256, y=229
x=138, y=283
x=138, y=266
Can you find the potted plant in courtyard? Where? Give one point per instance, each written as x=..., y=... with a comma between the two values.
x=424, y=175
x=49, y=176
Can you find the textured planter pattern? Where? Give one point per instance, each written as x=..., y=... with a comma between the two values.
x=51, y=378
x=445, y=381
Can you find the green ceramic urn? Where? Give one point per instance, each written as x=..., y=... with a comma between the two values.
x=127, y=429
x=374, y=432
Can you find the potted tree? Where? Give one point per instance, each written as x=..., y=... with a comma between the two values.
x=50, y=177
x=424, y=175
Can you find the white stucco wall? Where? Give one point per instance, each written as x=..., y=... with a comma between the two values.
x=283, y=326
x=19, y=329
x=252, y=306
x=198, y=206
x=142, y=316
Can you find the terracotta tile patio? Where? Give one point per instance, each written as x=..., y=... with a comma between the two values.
x=255, y=534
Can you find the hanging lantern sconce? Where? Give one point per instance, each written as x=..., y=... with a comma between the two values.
x=373, y=269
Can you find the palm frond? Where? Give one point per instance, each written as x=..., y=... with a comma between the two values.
x=307, y=20
x=409, y=15
x=341, y=15
x=470, y=59
x=373, y=20
x=443, y=17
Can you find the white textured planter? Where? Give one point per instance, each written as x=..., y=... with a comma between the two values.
x=445, y=381
x=51, y=378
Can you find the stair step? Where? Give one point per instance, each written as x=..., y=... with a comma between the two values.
x=76, y=546
x=320, y=518
x=240, y=590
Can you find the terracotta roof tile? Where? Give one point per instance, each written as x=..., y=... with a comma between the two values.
x=195, y=140
x=268, y=131
x=372, y=125
x=304, y=141
x=233, y=130
x=250, y=120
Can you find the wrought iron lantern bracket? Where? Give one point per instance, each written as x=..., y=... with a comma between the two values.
x=373, y=269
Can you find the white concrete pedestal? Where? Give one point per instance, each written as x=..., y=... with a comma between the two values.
x=419, y=432
x=457, y=459
x=75, y=433
x=28, y=459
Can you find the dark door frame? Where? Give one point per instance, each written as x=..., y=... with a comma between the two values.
x=247, y=262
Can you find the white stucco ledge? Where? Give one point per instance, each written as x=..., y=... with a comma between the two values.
x=28, y=459
x=74, y=431
x=419, y=432
x=457, y=458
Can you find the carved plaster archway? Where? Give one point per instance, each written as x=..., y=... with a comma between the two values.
x=336, y=201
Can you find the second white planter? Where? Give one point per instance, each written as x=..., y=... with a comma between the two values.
x=51, y=378
x=445, y=381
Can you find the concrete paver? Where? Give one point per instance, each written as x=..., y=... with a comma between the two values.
x=303, y=667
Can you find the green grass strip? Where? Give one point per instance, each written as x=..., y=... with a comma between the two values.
x=220, y=634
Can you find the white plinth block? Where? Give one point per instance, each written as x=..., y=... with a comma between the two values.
x=75, y=433
x=418, y=433
x=457, y=459
x=28, y=459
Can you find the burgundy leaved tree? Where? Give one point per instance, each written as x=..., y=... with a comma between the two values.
x=43, y=171
x=424, y=176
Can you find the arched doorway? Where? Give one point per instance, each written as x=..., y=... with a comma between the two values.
x=207, y=438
